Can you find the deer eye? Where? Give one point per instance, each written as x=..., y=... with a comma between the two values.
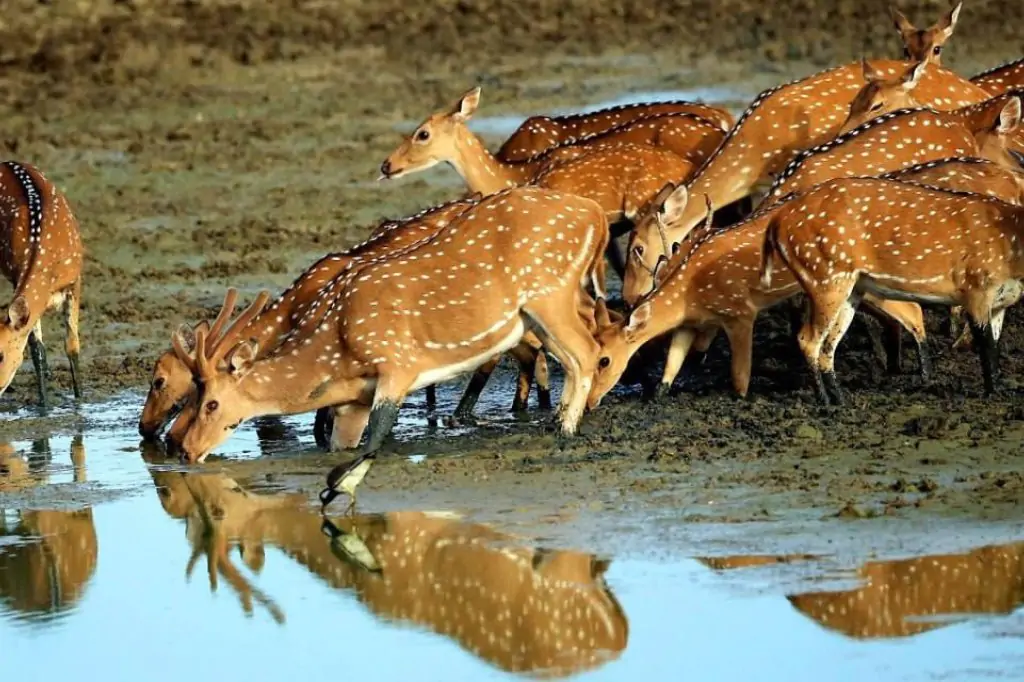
x=638, y=250
x=1, y=357
x=422, y=135
x=212, y=406
x=876, y=107
x=604, y=362
x=937, y=49
x=158, y=383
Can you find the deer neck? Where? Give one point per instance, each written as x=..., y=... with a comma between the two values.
x=981, y=116
x=481, y=171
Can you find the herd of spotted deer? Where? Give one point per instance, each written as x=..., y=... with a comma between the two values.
x=887, y=182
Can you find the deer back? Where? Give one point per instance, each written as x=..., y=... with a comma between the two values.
x=966, y=174
x=999, y=79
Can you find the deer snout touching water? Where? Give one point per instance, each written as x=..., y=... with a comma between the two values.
x=41, y=255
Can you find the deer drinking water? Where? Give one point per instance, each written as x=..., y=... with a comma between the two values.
x=780, y=123
x=519, y=259
x=41, y=255
x=853, y=236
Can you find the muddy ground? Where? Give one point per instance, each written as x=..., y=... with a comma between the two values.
x=207, y=144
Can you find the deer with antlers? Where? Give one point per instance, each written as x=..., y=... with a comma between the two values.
x=540, y=134
x=713, y=283
x=778, y=124
x=172, y=382
x=850, y=237
x=904, y=138
x=925, y=44
x=41, y=255
x=1001, y=79
x=519, y=259
x=620, y=177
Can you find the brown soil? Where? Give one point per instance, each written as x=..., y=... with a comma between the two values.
x=204, y=144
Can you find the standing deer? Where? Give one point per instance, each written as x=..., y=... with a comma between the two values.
x=905, y=138
x=540, y=134
x=620, y=177
x=925, y=45
x=172, y=382
x=519, y=259
x=1000, y=79
x=41, y=255
x=855, y=236
x=714, y=284
x=778, y=124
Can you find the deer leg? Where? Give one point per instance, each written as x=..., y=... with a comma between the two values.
x=350, y=421
x=741, y=346
x=387, y=399
x=828, y=351
x=72, y=345
x=323, y=425
x=679, y=348
x=432, y=397
x=543, y=380
x=464, y=411
x=988, y=352
x=892, y=342
x=825, y=310
x=38, y=350
x=526, y=356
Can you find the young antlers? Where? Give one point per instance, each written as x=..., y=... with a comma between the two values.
x=41, y=255
x=925, y=45
x=441, y=308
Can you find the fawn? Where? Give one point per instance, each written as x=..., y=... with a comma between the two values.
x=925, y=45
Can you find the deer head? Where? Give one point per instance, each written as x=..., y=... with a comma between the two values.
x=882, y=94
x=925, y=45
x=14, y=330
x=994, y=139
x=435, y=140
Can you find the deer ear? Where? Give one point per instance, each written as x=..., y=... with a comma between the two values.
x=18, y=314
x=241, y=357
x=913, y=76
x=672, y=208
x=467, y=104
x=1009, y=117
x=948, y=22
x=870, y=74
x=187, y=336
x=638, y=318
x=903, y=24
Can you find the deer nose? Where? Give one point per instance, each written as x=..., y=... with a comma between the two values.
x=385, y=168
x=146, y=432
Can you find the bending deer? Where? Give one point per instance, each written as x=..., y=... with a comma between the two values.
x=905, y=138
x=41, y=255
x=619, y=177
x=714, y=284
x=925, y=45
x=172, y=382
x=518, y=259
x=779, y=123
x=1002, y=78
x=850, y=237
x=540, y=134
x=883, y=93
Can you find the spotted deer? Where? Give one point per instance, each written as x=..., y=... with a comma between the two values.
x=519, y=259
x=172, y=382
x=778, y=124
x=905, y=138
x=899, y=598
x=883, y=94
x=540, y=134
x=850, y=237
x=1000, y=79
x=714, y=284
x=620, y=177
x=925, y=44
x=41, y=255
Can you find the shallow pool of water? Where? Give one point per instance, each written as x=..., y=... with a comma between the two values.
x=159, y=571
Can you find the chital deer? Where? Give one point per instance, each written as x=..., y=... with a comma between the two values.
x=901, y=598
x=540, y=134
x=966, y=174
x=883, y=94
x=518, y=259
x=41, y=255
x=853, y=236
x=47, y=569
x=172, y=382
x=778, y=124
x=1000, y=79
x=619, y=177
x=903, y=138
x=714, y=284
x=925, y=45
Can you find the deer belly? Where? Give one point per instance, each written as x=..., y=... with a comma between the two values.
x=916, y=289
x=472, y=356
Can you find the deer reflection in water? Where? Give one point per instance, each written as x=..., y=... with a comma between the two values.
x=45, y=571
x=521, y=609
x=910, y=596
